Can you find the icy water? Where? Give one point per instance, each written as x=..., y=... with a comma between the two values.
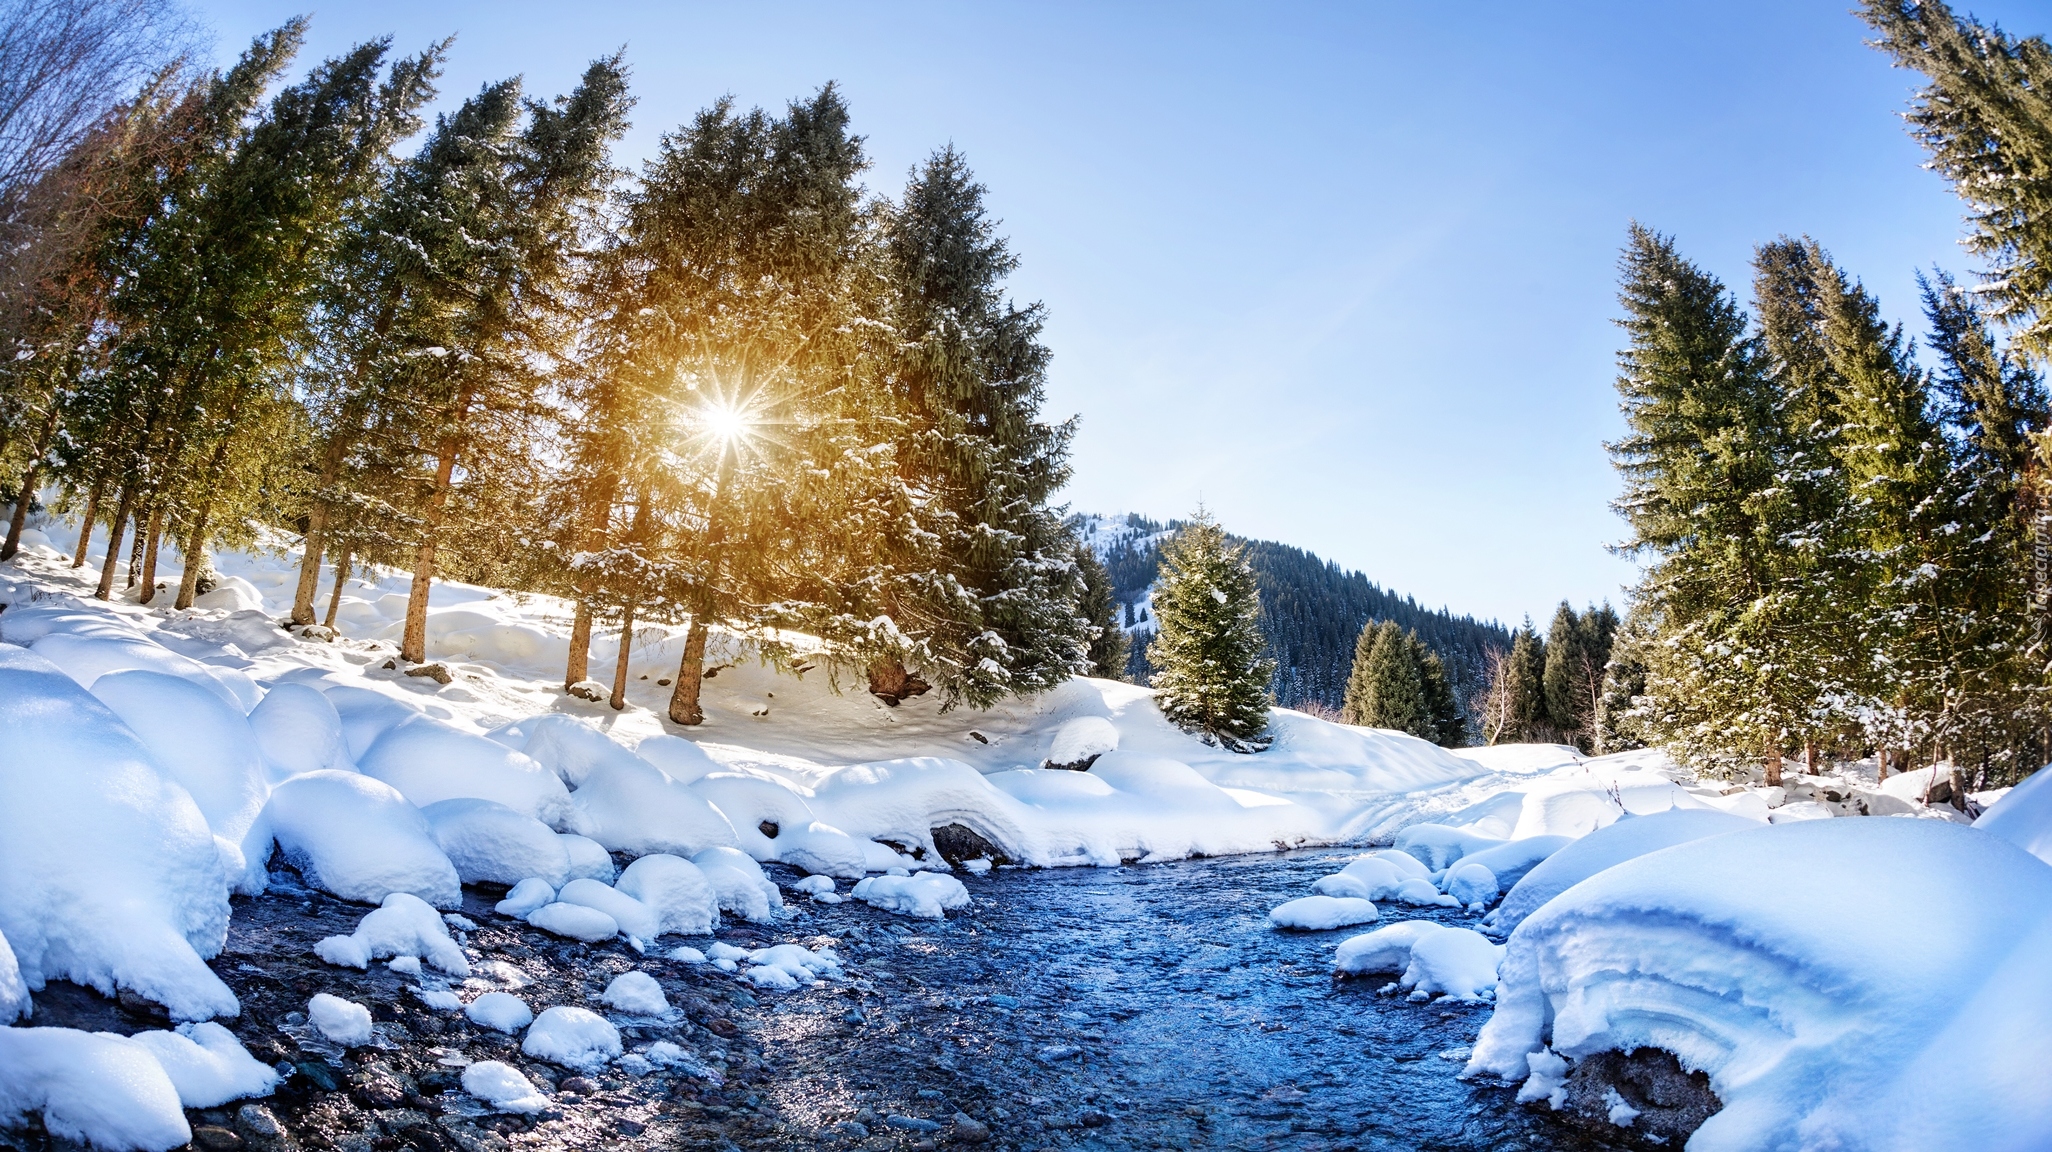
x=1140, y=1007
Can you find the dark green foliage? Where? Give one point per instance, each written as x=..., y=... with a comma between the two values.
x=1211, y=675
x=1525, y=687
x=1107, y=653
x=1398, y=682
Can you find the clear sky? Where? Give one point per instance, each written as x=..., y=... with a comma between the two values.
x=1344, y=272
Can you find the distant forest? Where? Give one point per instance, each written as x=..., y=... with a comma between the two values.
x=1312, y=610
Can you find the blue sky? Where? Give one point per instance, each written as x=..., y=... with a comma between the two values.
x=1344, y=272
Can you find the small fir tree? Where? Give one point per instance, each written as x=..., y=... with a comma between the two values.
x=1211, y=676
x=1442, y=706
x=1526, y=675
x=1107, y=653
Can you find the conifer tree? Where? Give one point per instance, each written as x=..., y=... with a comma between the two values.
x=1447, y=724
x=1526, y=686
x=1211, y=676
x=1357, y=704
x=1567, y=703
x=1393, y=693
x=1107, y=652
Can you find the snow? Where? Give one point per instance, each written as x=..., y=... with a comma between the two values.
x=929, y=895
x=14, y=994
x=1386, y=949
x=738, y=882
x=1316, y=913
x=526, y=896
x=823, y=850
x=1374, y=877
x=575, y=921
x=208, y=1065
x=298, y=730
x=1437, y=846
x=685, y=954
x=1082, y=739
x=1790, y=1003
x=803, y=966
x=1416, y=891
x=677, y=892
x=503, y=1087
x=630, y=806
x=208, y=748
x=360, y=839
x=488, y=841
x=405, y=925
x=1508, y=862
x=86, y=658
x=1435, y=959
x=589, y=859
x=637, y=920
x=637, y=994
x=1800, y=810
x=1605, y=848
x=814, y=885
x=343, y=1021
x=2023, y=816
x=500, y=1011
x=1472, y=883
x=90, y=1087
x=572, y=1037
x=428, y=760
x=109, y=876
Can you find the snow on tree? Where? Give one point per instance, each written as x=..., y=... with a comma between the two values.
x=1211, y=676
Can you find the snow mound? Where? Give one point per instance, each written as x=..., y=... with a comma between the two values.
x=2024, y=816
x=739, y=883
x=208, y=1065
x=637, y=994
x=429, y=761
x=566, y=745
x=14, y=994
x=1605, y=848
x=1508, y=862
x=903, y=801
x=928, y=895
x=1454, y=963
x=754, y=806
x=1081, y=741
x=1317, y=913
x=1778, y=998
x=91, y=1087
x=634, y=918
x=359, y=838
x=1437, y=846
x=572, y=1037
x=236, y=595
x=525, y=897
x=630, y=806
x=503, y=1087
x=85, y=657
x=343, y=1021
x=109, y=876
x=814, y=885
x=1383, y=950
x=1471, y=883
x=574, y=921
x=207, y=747
x=405, y=925
x=1376, y=877
x=801, y=965
x=678, y=758
x=589, y=859
x=677, y=892
x=298, y=730
x=1422, y=892
x=488, y=841
x=500, y=1011
x=823, y=850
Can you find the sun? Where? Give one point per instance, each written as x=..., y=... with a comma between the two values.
x=725, y=423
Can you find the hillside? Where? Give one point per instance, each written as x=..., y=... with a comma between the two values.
x=1312, y=611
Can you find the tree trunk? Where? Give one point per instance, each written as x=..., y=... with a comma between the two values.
x=1959, y=788
x=619, y=699
x=413, y=645
x=684, y=707
x=149, y=574
x=1881, y=755
x=28, y=487
x=1773, y=763
x=1810, y=757
x=335, y=597
x=135, y=553
x=106, y=589
x=195, y=554
x=579, y=666
x=85, y=527
x=310, y=550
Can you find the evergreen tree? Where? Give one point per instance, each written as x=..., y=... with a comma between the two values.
x=1357, y=705
x=1447, y=725
x=1561, y=681
x=1986, y=121
x=1624, y=683
x=1525, y=685
x=1108, y=648
x=1391, y=689
x=1211, y=677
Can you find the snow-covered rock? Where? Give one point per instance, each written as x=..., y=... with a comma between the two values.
x=1469, y=882
x=503, y=1087
x=298, y=730
x=824, y=850
x=87, y=656
x=500, y=1011
x=575, y=921
x=681, y=760
x=589, y=859
x=1509, y=861
x=90, y=1087
x=109, y=876
x=429, y=761
x=488, y=841
x=1437, y=846
x=525, y=897
x=1706, y=950
x=1081, y=741
x=1434, y=959
x=572, y=1037
x=208, y=1065
x=677, y=891
x=1386, y=949
x=637, y=994
x=739, y=883
x=630, y=806
x=359, y=838
x=634, y=918
x=1317, y=913
x=405, y=925
x=1605, y=848
x=343, y=1021
x=927, y=895
x=14, y=994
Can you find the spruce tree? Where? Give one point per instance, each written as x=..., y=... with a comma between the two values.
x=1211, y=676
x=1567, y=702
x=1395, y=690
x=1526, y=686
x=1448, y=725
x=1357, y=705
x=1107, y=652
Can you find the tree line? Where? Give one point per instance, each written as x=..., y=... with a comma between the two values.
x=1840, y=531
x=731, y=389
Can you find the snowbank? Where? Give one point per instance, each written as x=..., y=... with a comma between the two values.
x=360, y=839
x=738, y=882
x=1820, y=1023
x=109, y=876
x=629, y=805
x=208, y=1065
x=1605, y=848
x=485, y=840
x=2024, y=816
x=428, y=761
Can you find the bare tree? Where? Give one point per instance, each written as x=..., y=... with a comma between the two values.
x=1491, y=704
x=63, y=65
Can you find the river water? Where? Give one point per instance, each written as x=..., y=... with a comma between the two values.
x=1150, y=1006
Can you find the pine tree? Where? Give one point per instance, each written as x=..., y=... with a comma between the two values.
x=1358, y=703
x=1567, y=704
x=1392, y=689
x=1108, y=648
x=1618, y=728
x=1526, y=685
x=1211, y=677
x=1987, y=123
x=1448, y=726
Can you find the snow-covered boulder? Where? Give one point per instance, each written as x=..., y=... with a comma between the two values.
x=209, y=749
x=359, y=838
x=488, y=841
x=90, y=1087
x=634, y=918
x=1471, y=883
x=1508, y=862
x=636, y=994
x=208, y=1065
x=365, y=715
x=681, y=760
x=85, y=657
x=589, y=859
x=1376, y=877
x=927, y=895
x=1386, y=949
x=14, y=994
x=1605, y=848
x=574, y=921
x=298, y=730
x=1437, y=846
x=629, y=806
x=526, y=896
x=755, y=807
x=566, y=745
x=1078, y=743
x=344, y=1021
x=404, y=925
x=823, y=850
x=500, y=1011
x=503, y=1087
x=677, y=891
x=1318, y=913
x=572, y=1037
x=429, y=761
x=739, y=883
x=233, y=594
x=903, y=801
x=1778, y=997
x=1434, y=959
x=109, y=876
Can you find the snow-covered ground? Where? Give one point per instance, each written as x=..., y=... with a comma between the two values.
x=194, y=742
